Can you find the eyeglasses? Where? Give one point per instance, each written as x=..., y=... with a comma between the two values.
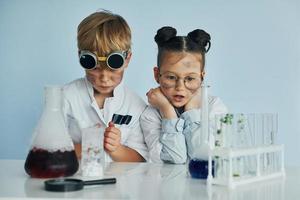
x=169, y=80
x=114, y=60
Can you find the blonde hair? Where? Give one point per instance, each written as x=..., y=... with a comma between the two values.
x=103, y=32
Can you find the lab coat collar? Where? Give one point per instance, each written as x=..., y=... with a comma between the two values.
x=111, y=104
x=118, y=92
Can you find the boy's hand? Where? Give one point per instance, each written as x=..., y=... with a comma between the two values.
x=158, y=100
x=194, y=102
x=112, y=138
x=117, y=151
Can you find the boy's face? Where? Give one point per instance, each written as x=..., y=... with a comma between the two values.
x=179, y=77
x=104, y=79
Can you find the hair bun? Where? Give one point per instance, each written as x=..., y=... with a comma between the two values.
x=200, y=37
x=164, y=34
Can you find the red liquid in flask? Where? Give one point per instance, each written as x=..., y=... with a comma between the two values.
x=41, y=163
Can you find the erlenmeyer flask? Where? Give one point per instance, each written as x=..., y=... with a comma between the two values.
x=52, y=151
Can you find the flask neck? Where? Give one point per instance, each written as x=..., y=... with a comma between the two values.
x=53, y=97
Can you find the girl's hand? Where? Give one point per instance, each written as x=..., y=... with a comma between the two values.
x=112, y=138
x=158, y=100
x=194, y=102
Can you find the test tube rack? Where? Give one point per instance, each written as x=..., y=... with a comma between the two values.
x=264, y=162
x=232, y=166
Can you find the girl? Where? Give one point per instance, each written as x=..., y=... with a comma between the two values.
x=170, y=121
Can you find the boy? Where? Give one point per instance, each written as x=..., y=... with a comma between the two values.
x=104, y=41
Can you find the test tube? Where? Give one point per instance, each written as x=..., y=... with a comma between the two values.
x=204, y=113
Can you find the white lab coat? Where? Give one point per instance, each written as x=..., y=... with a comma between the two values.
x=176, y=140
x=81, y=111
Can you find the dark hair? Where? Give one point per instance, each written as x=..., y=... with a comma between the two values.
x=197, y=41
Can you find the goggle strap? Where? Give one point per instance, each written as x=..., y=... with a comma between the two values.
x=102, y=58
x=125, y=53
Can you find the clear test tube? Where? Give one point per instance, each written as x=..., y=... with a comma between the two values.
x=240, y=130
x=218, y=134
x=204, y=113
x=229, y=134
x=273, y=162
x=245, y=166
x=250, y=128
x=277, y=161
x=250, y=165
x=221, y=168
x=259, y=129
x=274, y=129
x=225, y=167
x=216, y=167
x=241, y=166
x=242, y=135
x=268, y=120
x=268, y=162
x=264, y=128
x=261, y=164
x=269, y=127
x=235, y=169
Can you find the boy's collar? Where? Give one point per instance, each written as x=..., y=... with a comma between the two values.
x=118, y=91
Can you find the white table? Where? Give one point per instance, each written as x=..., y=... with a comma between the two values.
x=146, y=181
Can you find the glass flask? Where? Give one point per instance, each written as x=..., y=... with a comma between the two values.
x=198, y=166
x=52, y=151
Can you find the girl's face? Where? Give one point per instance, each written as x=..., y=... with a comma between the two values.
x=104, y=79
x=179, y=76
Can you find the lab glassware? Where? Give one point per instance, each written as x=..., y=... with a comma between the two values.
x=245, y=149
x=198, y=166
x=92, y=159
x=52, y=152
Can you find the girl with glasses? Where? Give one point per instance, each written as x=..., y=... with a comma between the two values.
x=170, y=121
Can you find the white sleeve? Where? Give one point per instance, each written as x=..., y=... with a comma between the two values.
x=151, y=129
